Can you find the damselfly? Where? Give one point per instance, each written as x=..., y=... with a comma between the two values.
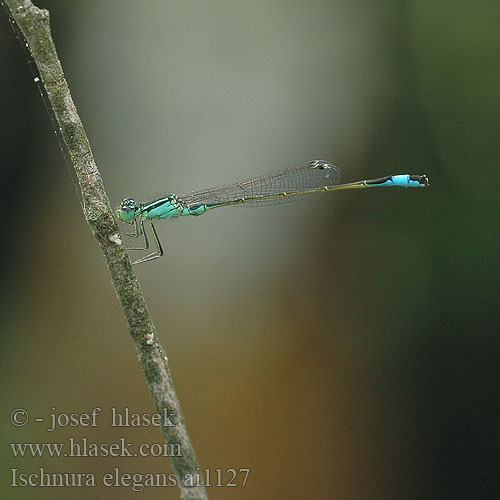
x=284, y=185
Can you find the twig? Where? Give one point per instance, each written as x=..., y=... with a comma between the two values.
x=32, y=25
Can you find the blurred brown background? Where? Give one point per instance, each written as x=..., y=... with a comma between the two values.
x=343, y=347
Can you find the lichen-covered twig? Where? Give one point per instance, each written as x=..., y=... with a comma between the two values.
x=31, y=25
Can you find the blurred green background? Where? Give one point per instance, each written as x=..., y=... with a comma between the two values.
x=343, y=347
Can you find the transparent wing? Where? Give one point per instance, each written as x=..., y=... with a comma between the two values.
x=306, y=178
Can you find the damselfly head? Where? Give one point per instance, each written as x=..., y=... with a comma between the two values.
x=127, y=210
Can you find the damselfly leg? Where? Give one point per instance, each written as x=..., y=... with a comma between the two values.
x=140, y=231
